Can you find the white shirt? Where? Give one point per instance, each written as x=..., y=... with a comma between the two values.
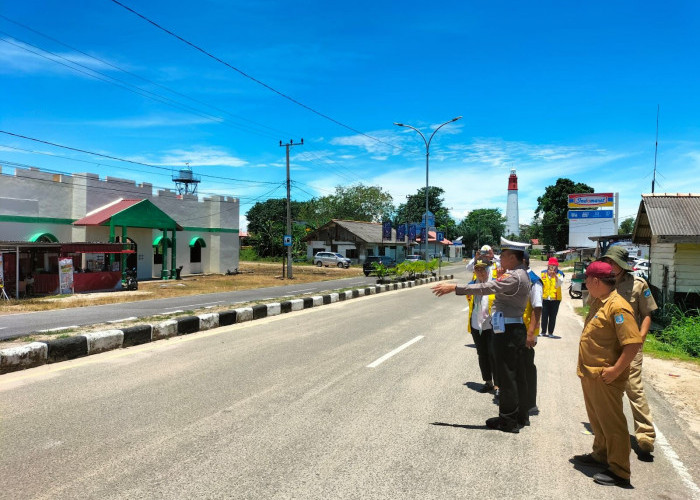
x=480, y=317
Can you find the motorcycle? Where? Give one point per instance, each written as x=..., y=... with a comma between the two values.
x=130, y=282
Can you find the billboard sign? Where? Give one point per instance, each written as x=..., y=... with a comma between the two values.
x=590, y=214
x=591, y=200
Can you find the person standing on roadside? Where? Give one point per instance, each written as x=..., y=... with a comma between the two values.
x=635, y=290
x=485, y=252
x=479, y=325
x=511, y=290
x=609, y=342
x=531, y=318
x=552, y=280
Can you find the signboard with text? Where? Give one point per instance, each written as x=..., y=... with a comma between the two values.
x=591, y=200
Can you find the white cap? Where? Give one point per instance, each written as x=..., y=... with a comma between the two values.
x=485, y=248
x=513, y=245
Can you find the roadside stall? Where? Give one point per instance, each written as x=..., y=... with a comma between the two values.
x=32, y=268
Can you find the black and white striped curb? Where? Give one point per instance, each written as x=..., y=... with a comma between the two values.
x=56, y=350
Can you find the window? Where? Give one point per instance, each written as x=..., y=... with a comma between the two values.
x=158, y=254
x=196, y=252
x=351, y=253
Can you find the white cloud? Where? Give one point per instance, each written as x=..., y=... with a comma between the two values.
x=16, y=56
x=196, y=157
x=151, y=121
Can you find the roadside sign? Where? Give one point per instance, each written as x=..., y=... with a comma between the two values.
x=440, y=235
x=287, y=240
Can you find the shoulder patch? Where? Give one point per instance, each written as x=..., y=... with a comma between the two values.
x=647, y=293
x=619, y=319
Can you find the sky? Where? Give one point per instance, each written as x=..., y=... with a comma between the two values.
x=551, y=89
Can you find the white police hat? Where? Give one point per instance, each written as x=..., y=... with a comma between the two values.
x=513, y=245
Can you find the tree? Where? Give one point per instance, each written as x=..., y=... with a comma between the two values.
x=532, y=231
x=553, y=205
x=267, y=224
x=414, y=208
x=626, y=226
x=483, y=226
x=359, y=202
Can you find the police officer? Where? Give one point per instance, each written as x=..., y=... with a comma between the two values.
x=511, y=292
x=609, y=341
x=635, y=290
x=531, y=318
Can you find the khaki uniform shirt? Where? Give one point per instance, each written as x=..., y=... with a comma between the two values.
x=610, y=324
x=511, y=290
x=636, y=291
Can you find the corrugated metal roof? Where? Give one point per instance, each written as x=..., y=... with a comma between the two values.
x=371, y=232
x=102, y=215
x=669, y=217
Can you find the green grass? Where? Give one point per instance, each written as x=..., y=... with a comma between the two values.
x=662, y=350
x=680, y=339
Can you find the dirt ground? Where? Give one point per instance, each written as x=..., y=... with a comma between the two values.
x=252, y=275
x=679, y=383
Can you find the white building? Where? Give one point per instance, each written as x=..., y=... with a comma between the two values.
x=512, y=215
x=41, y=206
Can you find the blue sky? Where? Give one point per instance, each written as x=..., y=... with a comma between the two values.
x=549, y=88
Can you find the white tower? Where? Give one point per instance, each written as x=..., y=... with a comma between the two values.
x=512, y=217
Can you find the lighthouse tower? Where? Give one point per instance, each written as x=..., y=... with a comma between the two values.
x=512, y=218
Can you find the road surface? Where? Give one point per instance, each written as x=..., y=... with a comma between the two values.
x=370, y=398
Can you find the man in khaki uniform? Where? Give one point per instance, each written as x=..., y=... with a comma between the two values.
x=609, y=342
x=635, y=291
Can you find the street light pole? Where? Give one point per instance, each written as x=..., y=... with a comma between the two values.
x=427, y=166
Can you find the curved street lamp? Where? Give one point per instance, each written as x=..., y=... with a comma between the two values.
x=427, y=160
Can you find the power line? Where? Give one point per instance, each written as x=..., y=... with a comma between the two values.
x=105, y=165
x=103, y=61
x=123, y=159
x=259, y=82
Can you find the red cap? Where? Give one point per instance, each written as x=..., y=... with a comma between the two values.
x=599, y=269
x=553, y=262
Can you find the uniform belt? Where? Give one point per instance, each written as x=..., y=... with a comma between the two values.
x=509, y=321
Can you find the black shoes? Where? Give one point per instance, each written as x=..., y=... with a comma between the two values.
x=499, y=424
x=488, y=387
x=588, y=461
x=609, y=478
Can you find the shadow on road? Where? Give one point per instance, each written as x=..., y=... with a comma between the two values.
x=461, y=426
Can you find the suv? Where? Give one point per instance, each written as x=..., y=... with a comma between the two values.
x=331, y=258
x=368, y=266
x=413, y=258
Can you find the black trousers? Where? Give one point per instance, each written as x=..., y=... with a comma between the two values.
x=510, y=348
x=530, y=378
x=550, y=308
x=487, y=359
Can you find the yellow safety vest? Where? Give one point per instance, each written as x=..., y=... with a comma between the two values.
x=527, y=316
x=550, y=290
x=470, y=299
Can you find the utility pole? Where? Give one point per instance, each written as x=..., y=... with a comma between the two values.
x=288, y=244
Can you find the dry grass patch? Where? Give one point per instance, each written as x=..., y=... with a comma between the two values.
x=253, y=275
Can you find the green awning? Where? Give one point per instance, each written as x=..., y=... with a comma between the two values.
x=44, y=238
x=159, y=240
x=199, y=239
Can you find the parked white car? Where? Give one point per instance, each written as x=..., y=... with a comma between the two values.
x=331, y=259
x=641, y=268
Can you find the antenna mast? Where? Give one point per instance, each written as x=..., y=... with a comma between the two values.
x=656, y=149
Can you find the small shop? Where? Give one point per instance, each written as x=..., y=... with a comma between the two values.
x=48, y=268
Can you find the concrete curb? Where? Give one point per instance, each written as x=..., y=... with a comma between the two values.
x=57, y=350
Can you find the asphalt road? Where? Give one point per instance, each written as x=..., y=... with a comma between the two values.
x=289, y=407
x=19, y=325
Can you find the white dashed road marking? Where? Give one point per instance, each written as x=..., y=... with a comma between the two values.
x=395, y=351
